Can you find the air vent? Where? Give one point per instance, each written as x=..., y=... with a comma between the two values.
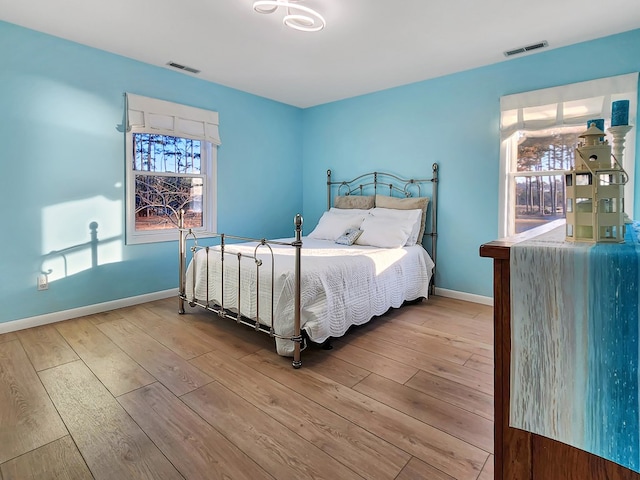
x=182, y=67
x=528, y=48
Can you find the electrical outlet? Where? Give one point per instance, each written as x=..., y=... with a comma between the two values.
x=43, y=281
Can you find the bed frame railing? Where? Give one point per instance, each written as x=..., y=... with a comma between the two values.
x=218, y=306
x=390, y=184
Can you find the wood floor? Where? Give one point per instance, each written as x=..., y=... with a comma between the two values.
x=143, y=392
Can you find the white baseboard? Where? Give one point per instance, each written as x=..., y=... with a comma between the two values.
x=468, y=297
x=53, y=317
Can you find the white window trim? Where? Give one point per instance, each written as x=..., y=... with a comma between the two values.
x=513, y=118
x=150, y=115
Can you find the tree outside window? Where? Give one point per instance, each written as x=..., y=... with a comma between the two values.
x=168, y=179
x=542, y=158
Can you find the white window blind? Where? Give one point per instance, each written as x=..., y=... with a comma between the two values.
x=567, y=105
x=150, y=115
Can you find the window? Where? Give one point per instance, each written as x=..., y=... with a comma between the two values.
x=537, y=177
x=539, y=132
x=171, y=160
x=169, y=176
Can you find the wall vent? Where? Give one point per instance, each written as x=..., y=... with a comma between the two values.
x=183, y=67
x=528, y=48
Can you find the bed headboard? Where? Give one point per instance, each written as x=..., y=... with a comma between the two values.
x=383, y=183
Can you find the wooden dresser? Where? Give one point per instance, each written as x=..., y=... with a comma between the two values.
x=521, y=455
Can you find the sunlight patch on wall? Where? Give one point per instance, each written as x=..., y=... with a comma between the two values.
x=79, y=235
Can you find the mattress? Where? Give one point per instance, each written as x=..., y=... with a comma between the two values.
x=341, y=286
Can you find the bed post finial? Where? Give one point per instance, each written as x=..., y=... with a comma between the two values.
x=297, y=220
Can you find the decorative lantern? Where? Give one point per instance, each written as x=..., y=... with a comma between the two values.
x=595, y=192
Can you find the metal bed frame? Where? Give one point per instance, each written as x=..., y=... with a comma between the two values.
x=360, y=185
x=380, y=180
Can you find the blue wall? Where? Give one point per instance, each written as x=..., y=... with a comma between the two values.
x=62, y=167
x=452, y=120
x=62, y=161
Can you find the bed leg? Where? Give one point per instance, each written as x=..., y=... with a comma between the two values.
x=182, y=259
x=297, y=350
x=297, y=363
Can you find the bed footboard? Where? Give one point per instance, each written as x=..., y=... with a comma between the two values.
x=217, y=306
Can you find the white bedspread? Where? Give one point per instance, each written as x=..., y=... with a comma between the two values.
x=341, y=285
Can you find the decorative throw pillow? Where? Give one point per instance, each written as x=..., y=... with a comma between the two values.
x=349, y=237
x=354, y=201
x=409, y=203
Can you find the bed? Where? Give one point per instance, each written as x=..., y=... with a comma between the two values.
x=364, y=256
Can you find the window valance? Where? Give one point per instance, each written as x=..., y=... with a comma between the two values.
x=150, y=115
x=567, y=105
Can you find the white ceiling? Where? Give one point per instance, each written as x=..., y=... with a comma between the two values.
x=367, y=45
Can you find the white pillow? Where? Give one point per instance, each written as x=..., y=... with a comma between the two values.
x=383, y=232
x=332, y=225
x=414, y=216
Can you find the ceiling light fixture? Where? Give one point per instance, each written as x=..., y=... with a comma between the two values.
x=297, y=17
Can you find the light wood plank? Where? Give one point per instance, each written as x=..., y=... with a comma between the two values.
x=460, y=423
x=351, y=445
x=460, y=343
x=170, y=331
x=173, y=371
x=433, y=310
x=225, y=335
x=421, y=341
x=325, y=363
x=471, y=328
x=115, y=369
x=441, y=450
x=486, y=317
x=58, y=460
x=406, y=313
x=458, y=373
x=274, y=447
x=418, y=470
x=405, y=327
x=455, y=393
x=480, y=363
x=111, y=443
x=488, y=472
x=470, y=312
x=193, y=446
x=7, y=337
x=107, y=316
x=165, y=306
x=372, y=361
x=460, y=306
x=28, y=419
x=45, y=347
